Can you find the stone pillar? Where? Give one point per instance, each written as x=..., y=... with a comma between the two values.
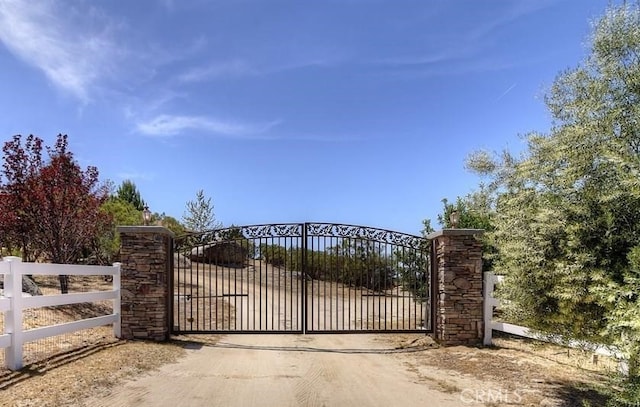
x=146, y=255
x=458, y=286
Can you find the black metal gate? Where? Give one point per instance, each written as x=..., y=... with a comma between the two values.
x=302, y=277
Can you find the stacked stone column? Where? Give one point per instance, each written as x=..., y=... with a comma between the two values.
x=458, y=286
x=146, y=297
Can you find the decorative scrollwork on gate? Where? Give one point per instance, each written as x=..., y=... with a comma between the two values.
x=267, y=231
x=296, y=230
x=363, y=232
x=239, y=232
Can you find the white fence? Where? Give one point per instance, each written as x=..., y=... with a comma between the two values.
x=490, y=302
x=13, y=302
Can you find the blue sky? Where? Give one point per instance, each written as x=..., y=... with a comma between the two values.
x=352, y=111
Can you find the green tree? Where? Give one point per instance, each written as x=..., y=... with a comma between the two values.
x=475, y=211
x=120, y=213
x=567, y=221
x=199, y=216
x=128, y=192
x=172, y=224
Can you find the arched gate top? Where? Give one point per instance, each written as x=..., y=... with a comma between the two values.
x=319, y=229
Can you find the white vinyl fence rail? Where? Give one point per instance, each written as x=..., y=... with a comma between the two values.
x=490, y=302
x=13, y=302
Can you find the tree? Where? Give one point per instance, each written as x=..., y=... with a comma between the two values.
x=199, y=216
x=475, y=211
x=119, y=213
x=51, y=208
x=567, y=222
x=172, y=224
x=128, y=192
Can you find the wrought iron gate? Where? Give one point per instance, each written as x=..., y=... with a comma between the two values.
x=302, y=277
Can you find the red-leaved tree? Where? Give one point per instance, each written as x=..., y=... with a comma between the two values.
x=49, y=209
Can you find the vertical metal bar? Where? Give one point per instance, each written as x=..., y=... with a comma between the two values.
x=227, y=274
x=385, y=270
x=266, y=265
x=197, y=287
x=410, y=290
x=244, y=264
x=295, y=279
x=288, y=267
x=289, y=271
x=323, y=266
x=230, y=264
x=345, y=278
x=191, y=291
x=253, y=280
x=218, y=314
x=378, y=282
x=433, y=283
x=212, y=300
x=394, y=284
x=304, y=298
x=359, y=291
x=323, y=293
x=349, y=292
x=235, y=294
x=375, y=283
x=367, y=282
x=177, y=292
x=273, y=294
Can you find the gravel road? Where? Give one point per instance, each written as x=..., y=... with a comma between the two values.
x=284, y=370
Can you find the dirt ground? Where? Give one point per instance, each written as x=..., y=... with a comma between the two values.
x=300, y=370
x=311, y=370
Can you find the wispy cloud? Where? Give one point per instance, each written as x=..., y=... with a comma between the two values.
x=134, y=175
x=172, y=125
x=414, y=60
x=240, y=68
x=216, y=70
x=514, y=11
x=72, y=49
x=466, y=50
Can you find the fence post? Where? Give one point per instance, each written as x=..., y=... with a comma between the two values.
x=117, y=326
x=489, y=303
x=457, y=280
x=13, y=319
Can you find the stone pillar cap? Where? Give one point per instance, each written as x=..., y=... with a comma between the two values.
x=455, y=232
x=157, y=230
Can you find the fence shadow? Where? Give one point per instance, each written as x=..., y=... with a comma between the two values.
x=9, y=378
x=571, y=394
x=197, y=343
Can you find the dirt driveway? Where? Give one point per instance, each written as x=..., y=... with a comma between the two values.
x=287, y=370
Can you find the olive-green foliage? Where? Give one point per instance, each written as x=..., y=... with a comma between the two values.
x=475, y=211
x=567, y=220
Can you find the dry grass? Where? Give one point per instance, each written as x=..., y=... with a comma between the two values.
x=533, y=373
x=67, y=379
